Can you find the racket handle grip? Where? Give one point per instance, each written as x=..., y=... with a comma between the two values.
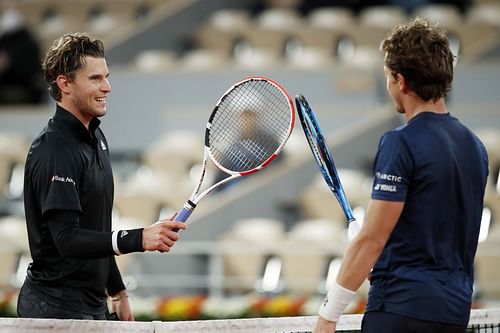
x=183, y=214
x=353, y=229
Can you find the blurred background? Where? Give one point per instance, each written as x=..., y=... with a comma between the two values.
x=272, y=243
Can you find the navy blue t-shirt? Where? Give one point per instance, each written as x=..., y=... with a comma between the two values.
x=438, y=168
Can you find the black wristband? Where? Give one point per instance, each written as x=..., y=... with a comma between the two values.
x=129, y=241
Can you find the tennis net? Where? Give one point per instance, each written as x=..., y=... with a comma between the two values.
x=481, y=321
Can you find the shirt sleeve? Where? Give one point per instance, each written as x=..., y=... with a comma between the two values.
x=74, y=242
x=392, y=169
x=56, y=179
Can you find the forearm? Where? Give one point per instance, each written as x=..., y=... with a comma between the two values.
x=121, y=306
x=381, y=217
x=358, y=261
x=119, y=296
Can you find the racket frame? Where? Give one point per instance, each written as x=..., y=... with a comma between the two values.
x=196, y=196
x=322, y=154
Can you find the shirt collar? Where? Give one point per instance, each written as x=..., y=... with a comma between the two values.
x=65, y=120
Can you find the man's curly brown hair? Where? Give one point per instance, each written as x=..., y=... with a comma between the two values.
x=421, y=53
x=66, y=56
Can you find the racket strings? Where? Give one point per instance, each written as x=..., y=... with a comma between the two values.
x=251, y=123
x=313, y=134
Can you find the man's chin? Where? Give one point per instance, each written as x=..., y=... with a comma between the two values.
x=101, y=113
x=400, y=110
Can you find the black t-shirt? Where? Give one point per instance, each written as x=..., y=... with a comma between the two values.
x=68, y=195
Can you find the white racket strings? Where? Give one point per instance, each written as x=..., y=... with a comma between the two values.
x=250, y=125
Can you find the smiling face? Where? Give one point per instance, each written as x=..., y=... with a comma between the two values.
x=85, y=95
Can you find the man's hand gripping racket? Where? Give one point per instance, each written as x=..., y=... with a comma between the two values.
x=324, y=160
x=247, y=129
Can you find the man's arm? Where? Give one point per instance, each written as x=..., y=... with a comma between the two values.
x=117, y=292
x=380, y=219
x=75, y=242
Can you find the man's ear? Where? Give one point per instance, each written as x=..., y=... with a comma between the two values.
x=63, y=82
x=402, y=83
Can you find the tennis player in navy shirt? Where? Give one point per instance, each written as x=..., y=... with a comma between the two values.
x=420, y=234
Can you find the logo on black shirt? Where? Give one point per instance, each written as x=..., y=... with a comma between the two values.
x=57, y=178
x=103, y=146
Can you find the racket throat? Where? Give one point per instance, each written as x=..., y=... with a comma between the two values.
x=189, y=205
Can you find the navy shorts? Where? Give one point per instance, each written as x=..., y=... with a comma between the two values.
x=376, y=322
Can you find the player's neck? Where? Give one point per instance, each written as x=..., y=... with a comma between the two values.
x=417, y=106
x=74, y=110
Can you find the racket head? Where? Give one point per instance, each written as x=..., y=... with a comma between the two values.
x=249, y=126
x=316, y=140
x=321, y=153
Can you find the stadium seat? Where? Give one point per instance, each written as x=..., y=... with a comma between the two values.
x=278, y=18
x=487, y=269
x=248, y=246
x=296, y=147
x=100, y=21
x=375, y=22
x=486, y=13
x=13, y=151
x=310, y=58
x=364, y=58
x=329, y=30
x=309, y=247
x=13, y=244
x=446, y=16
x=165, y=177
x=271, y=31
x=480, y=32
x=175, y=153
x=204, y=59
x=491, y=139
x=337, y=18
x=155, y=60
x=143, y=206
x=223, y=30
x=317, y=201
x=256, y=59
x=281, y=3
x=145, y=193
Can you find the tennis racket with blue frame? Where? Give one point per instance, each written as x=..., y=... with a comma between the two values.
x=324, y=159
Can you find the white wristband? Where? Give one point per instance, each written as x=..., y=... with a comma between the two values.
x=114, y=242
x=335, y=302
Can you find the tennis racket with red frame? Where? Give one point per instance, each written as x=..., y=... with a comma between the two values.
x=247, y=129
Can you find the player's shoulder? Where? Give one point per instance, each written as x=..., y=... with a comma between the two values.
x=394, y=134
x=49, y=143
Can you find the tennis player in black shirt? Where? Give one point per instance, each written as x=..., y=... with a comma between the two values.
x=68, y=196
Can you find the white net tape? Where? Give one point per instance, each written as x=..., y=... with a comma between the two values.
x=252, y=325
